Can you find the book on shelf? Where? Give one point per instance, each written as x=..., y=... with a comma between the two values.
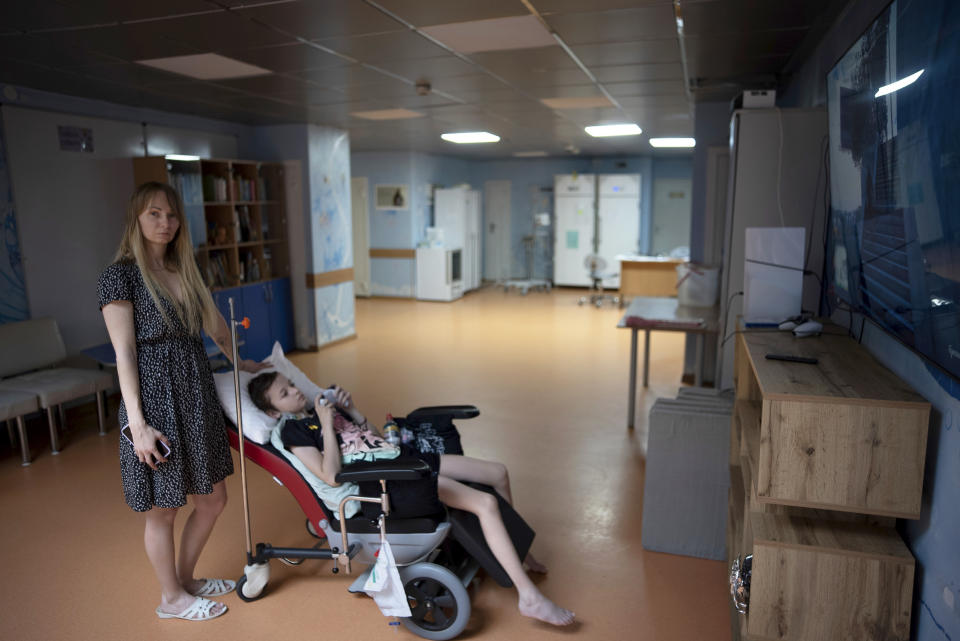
x=242, y=213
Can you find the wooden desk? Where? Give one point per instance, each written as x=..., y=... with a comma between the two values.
x=648, y=275
x=663, y=314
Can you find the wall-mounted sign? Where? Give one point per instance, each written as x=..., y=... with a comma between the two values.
x=75, y=139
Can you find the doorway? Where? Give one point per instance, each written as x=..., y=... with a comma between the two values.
x=361, y=236
x=496, y=230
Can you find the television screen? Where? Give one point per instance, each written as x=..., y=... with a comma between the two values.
x=894, y=235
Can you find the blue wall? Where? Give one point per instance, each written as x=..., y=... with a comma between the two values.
x=935, y=538
x=531, y=193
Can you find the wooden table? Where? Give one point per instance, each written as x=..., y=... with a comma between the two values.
x=663, y=314
x=648, y=275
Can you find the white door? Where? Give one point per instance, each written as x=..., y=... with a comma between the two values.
x=361, y=236
x=496, y=230
x=671, y=214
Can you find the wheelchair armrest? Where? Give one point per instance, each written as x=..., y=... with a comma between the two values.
x=453, y=411
x=398, y=469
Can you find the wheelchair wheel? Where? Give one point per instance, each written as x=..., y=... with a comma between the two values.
x=252, y=589
x=439, y=604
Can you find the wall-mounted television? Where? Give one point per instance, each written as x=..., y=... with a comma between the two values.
x=894, y=235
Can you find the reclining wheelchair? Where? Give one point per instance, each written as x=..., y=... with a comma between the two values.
x=437, y=555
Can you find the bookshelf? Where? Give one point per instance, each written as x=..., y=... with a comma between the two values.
x=236, y=213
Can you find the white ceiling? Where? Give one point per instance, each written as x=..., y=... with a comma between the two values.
x=330, y=58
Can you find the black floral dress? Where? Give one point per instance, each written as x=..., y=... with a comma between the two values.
x=178, y=398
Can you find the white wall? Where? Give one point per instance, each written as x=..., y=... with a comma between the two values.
x=71, y=206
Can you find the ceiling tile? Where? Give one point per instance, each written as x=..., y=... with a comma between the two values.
x=578, y=6
x=398, y=45
x=420, y=13
x=342, y=76
x=219, y=31
x=141, y=41
x=268, y=85
x=106, y=11
x=656, y=22
x=438, y=67
x=28, y=15
x=648, y=88
x=628, y=53
x=638, y=73
x=569, y=91
x=287, y=57
x=472, y=83
x=313, y=19
x=507, y=62
x=743, y=16
x=50, y=52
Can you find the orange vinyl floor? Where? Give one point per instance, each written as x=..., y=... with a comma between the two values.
x=550, y=379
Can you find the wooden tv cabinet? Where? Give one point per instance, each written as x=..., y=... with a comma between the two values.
x=824, y=458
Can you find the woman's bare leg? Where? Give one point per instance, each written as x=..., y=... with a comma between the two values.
x=474, y=470
x=532, y=602
x=196, y=531
x=158, y=541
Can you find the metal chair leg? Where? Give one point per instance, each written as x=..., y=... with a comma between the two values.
x=24, y=445
x=54, y=441
x=63, y=417
x=11, y=433
x=100, y=413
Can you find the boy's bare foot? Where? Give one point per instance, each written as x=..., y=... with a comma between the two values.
x=545, y=610
x=533, y=565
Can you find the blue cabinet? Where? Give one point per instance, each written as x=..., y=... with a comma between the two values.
x=269, y=307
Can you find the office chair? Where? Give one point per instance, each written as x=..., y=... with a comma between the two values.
x=596, y=267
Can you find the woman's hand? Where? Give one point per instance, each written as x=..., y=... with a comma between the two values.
x=145, y=444
x=246, y=365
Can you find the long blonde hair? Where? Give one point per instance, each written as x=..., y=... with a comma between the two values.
x=197, y=308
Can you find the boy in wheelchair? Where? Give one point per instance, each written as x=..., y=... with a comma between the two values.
x=304, y=433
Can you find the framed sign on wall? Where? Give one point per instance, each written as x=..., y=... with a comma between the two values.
x=392, y=197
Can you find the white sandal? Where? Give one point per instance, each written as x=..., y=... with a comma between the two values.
x=200, y=610
x=215, y=587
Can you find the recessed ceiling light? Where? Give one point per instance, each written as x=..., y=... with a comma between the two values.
x=181, y=157
x=623, y=129
x=387, y=114
x=206, y=66
x=673, y=142
x=588, y=102
x=530, y=154
x=470, y=137
x=494, y=34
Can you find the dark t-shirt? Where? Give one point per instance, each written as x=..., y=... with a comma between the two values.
x=408, y=499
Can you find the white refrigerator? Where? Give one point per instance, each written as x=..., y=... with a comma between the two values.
x=457, y=212
x=618, y=221
x=574, y=225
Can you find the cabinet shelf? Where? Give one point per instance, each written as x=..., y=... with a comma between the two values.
x=823, y=458
x=238, y=224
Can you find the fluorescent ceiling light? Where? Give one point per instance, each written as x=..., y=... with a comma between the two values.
x=899, y=84
x=471, y=137
x=495, y=34
x=387, y=114
x=206, y=66
x=672, y=142
x=624, y=129
x=530, y=154
x=181, y=157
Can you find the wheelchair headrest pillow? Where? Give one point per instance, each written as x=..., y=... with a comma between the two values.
x=256, y=424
